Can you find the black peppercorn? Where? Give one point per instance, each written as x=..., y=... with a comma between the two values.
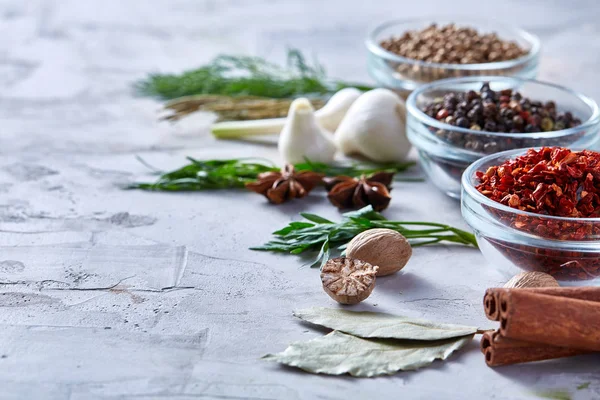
x=489, y=126
x=489, y=95
x=568, y=116
x=490, y=111
x=459, y=113
x=462, y=122
x=473, y=114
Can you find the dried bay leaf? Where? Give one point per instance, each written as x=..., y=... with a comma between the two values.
x=382, y=326
x=338, y=353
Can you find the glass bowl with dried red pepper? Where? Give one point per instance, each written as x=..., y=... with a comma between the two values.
x=537, y=210
x=455, y=122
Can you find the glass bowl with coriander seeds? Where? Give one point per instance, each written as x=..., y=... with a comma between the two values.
x=537, y=210
x=454, y=122
x=404, y=55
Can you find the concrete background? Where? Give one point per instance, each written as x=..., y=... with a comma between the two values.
x=111, y=294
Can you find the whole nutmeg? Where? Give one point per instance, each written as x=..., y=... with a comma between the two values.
x=385, y=248
x=531, y=280
x=348, y=281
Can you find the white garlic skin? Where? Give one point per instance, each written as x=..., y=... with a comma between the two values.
x=375, y=127
x=303, y=138
x=333, y=112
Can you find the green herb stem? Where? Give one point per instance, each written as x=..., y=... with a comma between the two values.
x=200, y=175
x=240, y=129
x=299, y=237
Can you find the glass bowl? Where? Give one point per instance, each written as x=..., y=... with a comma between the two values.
x=515, y=241
x=405, y=75
x=445, y=151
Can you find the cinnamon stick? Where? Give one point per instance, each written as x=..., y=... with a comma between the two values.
x=491, y=298
x=499, y=350
x=552, y=320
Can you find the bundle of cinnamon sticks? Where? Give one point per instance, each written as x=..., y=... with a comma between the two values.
x=541, y=324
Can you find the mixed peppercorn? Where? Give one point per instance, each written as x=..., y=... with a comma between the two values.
x=495, y=111
x=549, y=182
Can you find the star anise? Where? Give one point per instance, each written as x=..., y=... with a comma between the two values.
x=348, y=192
x=288, y=184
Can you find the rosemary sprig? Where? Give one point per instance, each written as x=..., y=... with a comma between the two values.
x=355, y=169
x=235, y=173
x=246, y=76
x=324, y=236
x=208, y=175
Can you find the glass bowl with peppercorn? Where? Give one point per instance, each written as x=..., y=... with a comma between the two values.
x=537, y=210
x=454, y=122
x=404, y=55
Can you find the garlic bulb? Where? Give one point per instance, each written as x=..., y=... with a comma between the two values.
x=333, y=112
x=375, y=127
x=302, y=137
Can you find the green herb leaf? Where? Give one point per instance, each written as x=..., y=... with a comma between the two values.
x=354, y=169
x=245, y=76
x=555, y=395
x=315, y=218
x=235, y=173
x=325, y=236
x=382, y=326
x=338, y=353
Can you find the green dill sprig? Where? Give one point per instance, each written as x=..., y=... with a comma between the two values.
x=319, y=234
x=245, y=76
x=235, y=173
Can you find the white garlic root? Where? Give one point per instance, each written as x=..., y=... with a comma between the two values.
x=375, y=127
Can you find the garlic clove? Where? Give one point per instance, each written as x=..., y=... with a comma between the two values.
x=333, y=112
x=375, y=127
x=302, y=137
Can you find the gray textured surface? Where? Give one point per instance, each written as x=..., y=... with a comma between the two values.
x=109, y=294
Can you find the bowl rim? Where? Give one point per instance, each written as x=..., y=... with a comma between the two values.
x=470, y=189
x=374, y=47
x=416, y=112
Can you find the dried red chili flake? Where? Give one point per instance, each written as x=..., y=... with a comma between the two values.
x=552, y=181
